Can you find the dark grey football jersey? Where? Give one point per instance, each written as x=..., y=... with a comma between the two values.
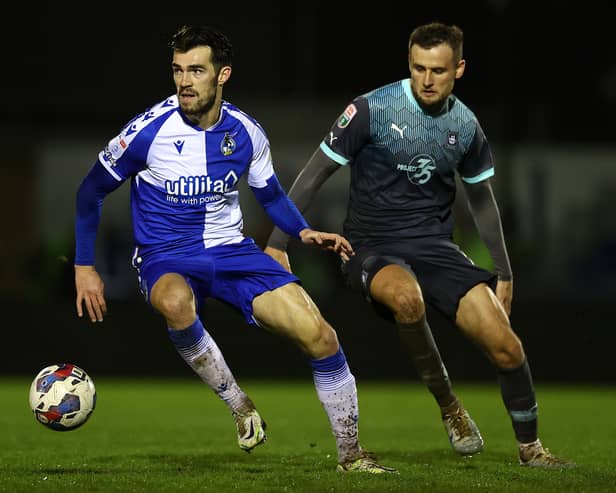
x=403, y=163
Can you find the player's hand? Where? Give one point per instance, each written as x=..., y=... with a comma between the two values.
x=91, y=291
x=328, y=241
x=504, y=292
x=279, y=256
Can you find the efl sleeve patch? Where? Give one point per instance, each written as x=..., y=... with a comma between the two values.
x=347, y=115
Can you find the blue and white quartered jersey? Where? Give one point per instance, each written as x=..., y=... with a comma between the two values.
x=185, y=205
x=184, y=191
x=184, y=187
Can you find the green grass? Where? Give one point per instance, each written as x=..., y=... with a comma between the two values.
x=176, y=436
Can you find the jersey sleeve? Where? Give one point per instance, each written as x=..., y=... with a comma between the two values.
x=93, y=189
x=281, y=210
x=125, y=155
x=266, y=187
x=261, y=167
x=478, y=163
x=349, y=133
x=309, y=180
x=487, y=219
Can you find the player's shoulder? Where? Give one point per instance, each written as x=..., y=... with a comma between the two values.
x=248, y=121
x=236, y=112
x=388, y=97
x=153, y=113
x=170, y=103
x=459, y=110
x=392, y=89
x=464, y=119
x=167, y=105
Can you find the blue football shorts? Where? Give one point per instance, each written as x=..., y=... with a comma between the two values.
x=234, y=274
x=444, y=273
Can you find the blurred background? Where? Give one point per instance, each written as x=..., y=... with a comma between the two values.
x=543, y=86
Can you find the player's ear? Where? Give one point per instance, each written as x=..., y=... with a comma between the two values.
x=460, y=68
x=223, y=75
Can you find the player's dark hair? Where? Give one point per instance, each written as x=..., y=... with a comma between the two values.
x=430, y=35
x=188, y=37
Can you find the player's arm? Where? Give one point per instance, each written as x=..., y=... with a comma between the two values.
x=347, y=136
x=286, y=216
x=310, y=179
x=487, y=219
x=88, y=283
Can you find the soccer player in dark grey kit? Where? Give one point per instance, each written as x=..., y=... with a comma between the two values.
x=404, y=143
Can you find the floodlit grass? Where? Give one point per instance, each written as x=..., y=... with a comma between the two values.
x=176, y=436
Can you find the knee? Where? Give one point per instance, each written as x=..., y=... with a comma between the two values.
x=509, y=354
x=174, y=304
x=320, y=340
x=407, y=306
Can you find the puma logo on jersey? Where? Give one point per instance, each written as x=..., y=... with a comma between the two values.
x=332, y=138
x=398, y=129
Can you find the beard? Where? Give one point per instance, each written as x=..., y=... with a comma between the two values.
x=201, y=106
x=195, y=111
x=432, y=106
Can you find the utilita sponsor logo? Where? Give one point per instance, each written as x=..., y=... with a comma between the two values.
x=198, y=185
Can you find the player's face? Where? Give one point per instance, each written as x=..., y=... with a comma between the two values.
x=433, y=74
x=198, y=85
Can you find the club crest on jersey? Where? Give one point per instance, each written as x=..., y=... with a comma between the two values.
x=420, y=169
x=347, y=115
x=108, y=156
x=113, y=151
x=228, y=145
x=452, y=138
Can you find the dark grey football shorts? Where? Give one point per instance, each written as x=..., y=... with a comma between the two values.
x=444, y=273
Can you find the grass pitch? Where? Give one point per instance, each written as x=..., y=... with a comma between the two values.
x=176, y=436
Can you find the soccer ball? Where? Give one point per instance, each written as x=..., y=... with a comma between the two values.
x=62, y=397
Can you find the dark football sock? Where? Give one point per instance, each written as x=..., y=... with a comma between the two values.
x=418, y=341
x=519, y=397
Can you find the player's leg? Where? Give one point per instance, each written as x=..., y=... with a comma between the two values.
x=174, y=299
x=290, y=312
x=481, y=317
x=395, y=287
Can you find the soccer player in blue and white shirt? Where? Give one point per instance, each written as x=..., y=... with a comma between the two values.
x=185, y=157
x=405, y=143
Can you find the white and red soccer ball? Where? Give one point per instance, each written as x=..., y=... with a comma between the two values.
x=62, y=397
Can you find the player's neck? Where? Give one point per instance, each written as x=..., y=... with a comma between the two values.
x=212, y=116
